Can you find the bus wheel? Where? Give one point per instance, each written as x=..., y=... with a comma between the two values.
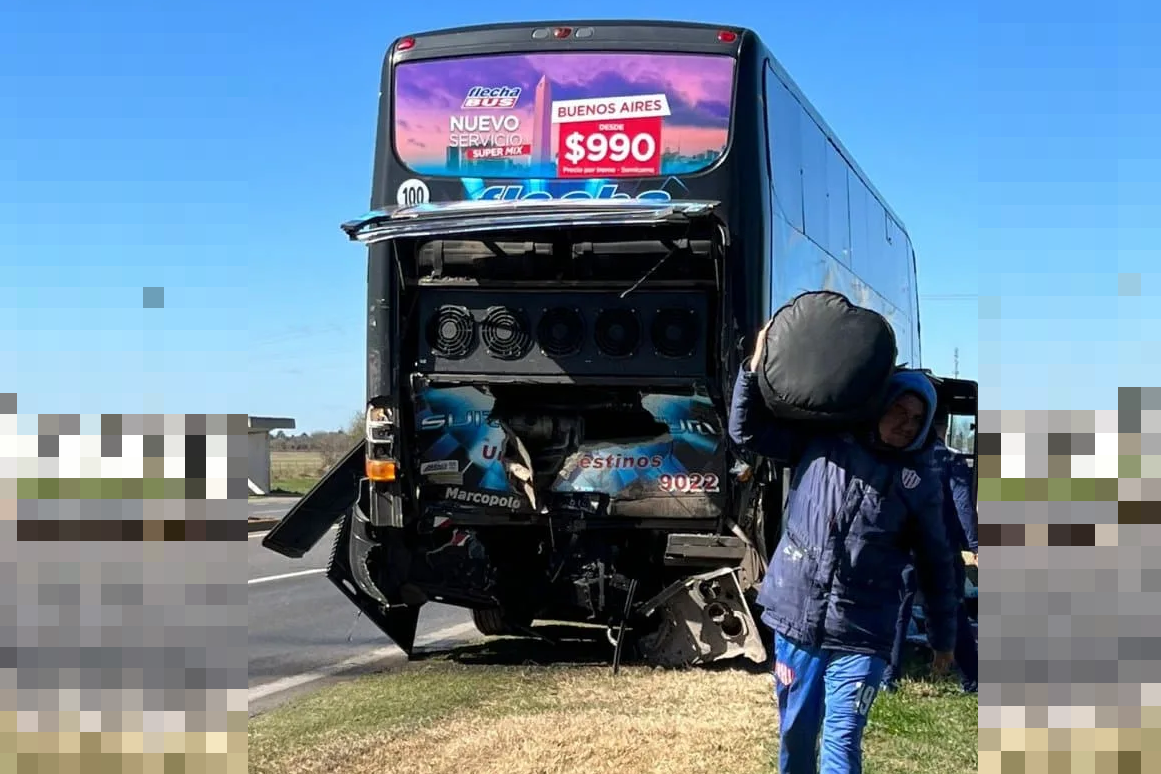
x=490, y=621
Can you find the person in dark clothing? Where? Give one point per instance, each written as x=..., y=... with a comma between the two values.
x=859, y=503
x=961, y=524
x=960, y=518
x=902, y=625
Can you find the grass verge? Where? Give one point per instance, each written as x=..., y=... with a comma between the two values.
x=288, y=487
x=442, y=717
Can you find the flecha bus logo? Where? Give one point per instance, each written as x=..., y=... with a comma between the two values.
x=491, y=98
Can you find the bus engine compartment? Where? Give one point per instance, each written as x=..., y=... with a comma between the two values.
x=559, y=435
x=569, y=450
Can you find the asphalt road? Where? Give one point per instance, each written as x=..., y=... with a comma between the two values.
x=270, y=507
x=303, y=633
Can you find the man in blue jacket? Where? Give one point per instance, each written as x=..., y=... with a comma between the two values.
x=860, y=502
x=961, y=525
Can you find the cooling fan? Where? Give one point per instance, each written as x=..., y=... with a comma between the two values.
x=675, y=332
x=560, y=335
x=617, y=332
x=505, y=332
x=561, y=331
x=451, y=332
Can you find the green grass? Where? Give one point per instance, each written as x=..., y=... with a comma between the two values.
x=349, y=711
x=298, y=485
x=925, y=727
x=443, y=716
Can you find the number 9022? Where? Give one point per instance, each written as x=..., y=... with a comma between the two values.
x=694, y=483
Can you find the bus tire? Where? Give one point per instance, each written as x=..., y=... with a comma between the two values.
x=489, y=622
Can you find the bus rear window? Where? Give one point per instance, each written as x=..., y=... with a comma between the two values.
x=568, y=115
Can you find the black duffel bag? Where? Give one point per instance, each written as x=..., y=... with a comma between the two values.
x=826, y=360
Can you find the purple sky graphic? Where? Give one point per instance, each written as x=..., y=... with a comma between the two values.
x=698, y=88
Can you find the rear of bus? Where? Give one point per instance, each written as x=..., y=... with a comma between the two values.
x=564, y=257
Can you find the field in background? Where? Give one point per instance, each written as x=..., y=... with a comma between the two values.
x=296, y=471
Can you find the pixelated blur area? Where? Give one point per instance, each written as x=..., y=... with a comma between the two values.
x=153, y=298
x=1070, y=588
x=125, y=569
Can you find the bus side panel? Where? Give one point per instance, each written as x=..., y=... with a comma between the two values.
x=800, y=265
x=829, y=232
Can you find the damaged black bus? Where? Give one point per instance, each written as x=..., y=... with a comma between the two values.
x=576, y=228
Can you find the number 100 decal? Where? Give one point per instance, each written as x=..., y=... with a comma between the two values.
x=694, y=483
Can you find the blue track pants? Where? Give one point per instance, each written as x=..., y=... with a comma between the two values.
x=828, y=690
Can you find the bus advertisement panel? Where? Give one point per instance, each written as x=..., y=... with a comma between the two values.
x=573, y=116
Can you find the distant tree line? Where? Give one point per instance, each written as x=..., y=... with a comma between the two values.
x=331, y=444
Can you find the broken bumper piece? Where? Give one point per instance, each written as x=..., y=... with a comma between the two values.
x=703, y=618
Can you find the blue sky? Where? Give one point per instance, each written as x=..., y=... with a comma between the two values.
x=213, y=149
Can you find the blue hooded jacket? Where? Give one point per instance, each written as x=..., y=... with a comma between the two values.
x=856, y=513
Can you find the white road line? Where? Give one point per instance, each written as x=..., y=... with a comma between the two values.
x=284, y=576
x=440, y=637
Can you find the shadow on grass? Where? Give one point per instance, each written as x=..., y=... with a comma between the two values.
x=741, y=664
x=562, y=645
x=917, y=670
x=556, y=645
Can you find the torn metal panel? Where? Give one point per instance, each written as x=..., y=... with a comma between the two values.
x=309, y=519
x=698, y=548
x=517, y=464
x=349, y=572
x=464, y=217
x=751, y=569
x=704, y=618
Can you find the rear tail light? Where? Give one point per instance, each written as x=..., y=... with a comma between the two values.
x=380, y=463
x=380, y=414
x=727, y=36
x=380, y=426
x=380, y=470
x=405, y=44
